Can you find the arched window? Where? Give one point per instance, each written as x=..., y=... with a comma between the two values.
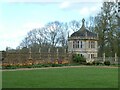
x=81, y=45
x=89, y=44
x=92, y=44
x=75, y=44
x=92, y=55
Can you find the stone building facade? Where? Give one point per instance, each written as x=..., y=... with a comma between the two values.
x=84, y=42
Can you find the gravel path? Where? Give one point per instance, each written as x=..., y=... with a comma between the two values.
x=57, y=67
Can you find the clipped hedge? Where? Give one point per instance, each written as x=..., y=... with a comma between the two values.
x=33, y=66
x=107, y=62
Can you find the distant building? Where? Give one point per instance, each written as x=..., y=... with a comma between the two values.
x=84, y=42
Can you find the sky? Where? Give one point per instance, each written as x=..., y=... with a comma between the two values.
x=19, y=17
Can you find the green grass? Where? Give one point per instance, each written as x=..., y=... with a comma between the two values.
x=0, y=79
x=83, y=77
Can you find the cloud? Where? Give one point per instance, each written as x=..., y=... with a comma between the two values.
x=16, y=35
x=32, y=25
x=65, y=5
x=46, y=1
x=7, y=43
x=89, y=11
x=81, y=7
x=11, y=39
x=84, y=11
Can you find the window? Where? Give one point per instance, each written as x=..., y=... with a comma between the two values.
x=81, y=45
x=92, y=55
x=75, y=44
x=88, y=55
x=89, y=44
x=92, y=44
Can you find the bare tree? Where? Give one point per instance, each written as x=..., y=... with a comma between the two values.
x=63, y=35
x=53, y=32
x=91, y=23
x=24, y=43
x=74, y=25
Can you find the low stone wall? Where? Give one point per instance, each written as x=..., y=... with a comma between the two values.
x=113, y=60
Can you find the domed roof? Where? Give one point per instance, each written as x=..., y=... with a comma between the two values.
x=82, y=32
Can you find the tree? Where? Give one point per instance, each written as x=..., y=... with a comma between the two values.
x=106, y=26
x=91, y=23
x=63, y=35
x=53, y=32
x=74, y=25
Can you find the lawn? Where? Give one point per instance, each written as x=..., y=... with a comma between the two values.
x=82, y=77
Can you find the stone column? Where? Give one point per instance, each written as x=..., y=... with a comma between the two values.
x=103, y=56
x=30, y=54
x=30, y=57
x=57, y=53
x=115, y=57
x=90, y=58
x=40, y=52
x=65, y=52
x=49, y=54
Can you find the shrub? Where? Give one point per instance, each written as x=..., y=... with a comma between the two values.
x=57, y=65
x=78, y=59
x=9, y=67
x=53, y=65
x=29, y=66
x=93, y=62
x=88, y=63
x=47, y=65
x=36, y=65
x=97, y=62
x=107, y=62
x=83, y=60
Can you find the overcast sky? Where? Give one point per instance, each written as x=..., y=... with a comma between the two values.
x=17, y=18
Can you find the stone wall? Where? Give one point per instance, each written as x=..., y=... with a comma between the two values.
x=15, y=57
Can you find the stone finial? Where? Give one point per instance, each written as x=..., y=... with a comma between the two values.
x=83, y=21
x=83, y=25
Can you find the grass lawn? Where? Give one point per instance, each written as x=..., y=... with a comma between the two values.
x=82, y=77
